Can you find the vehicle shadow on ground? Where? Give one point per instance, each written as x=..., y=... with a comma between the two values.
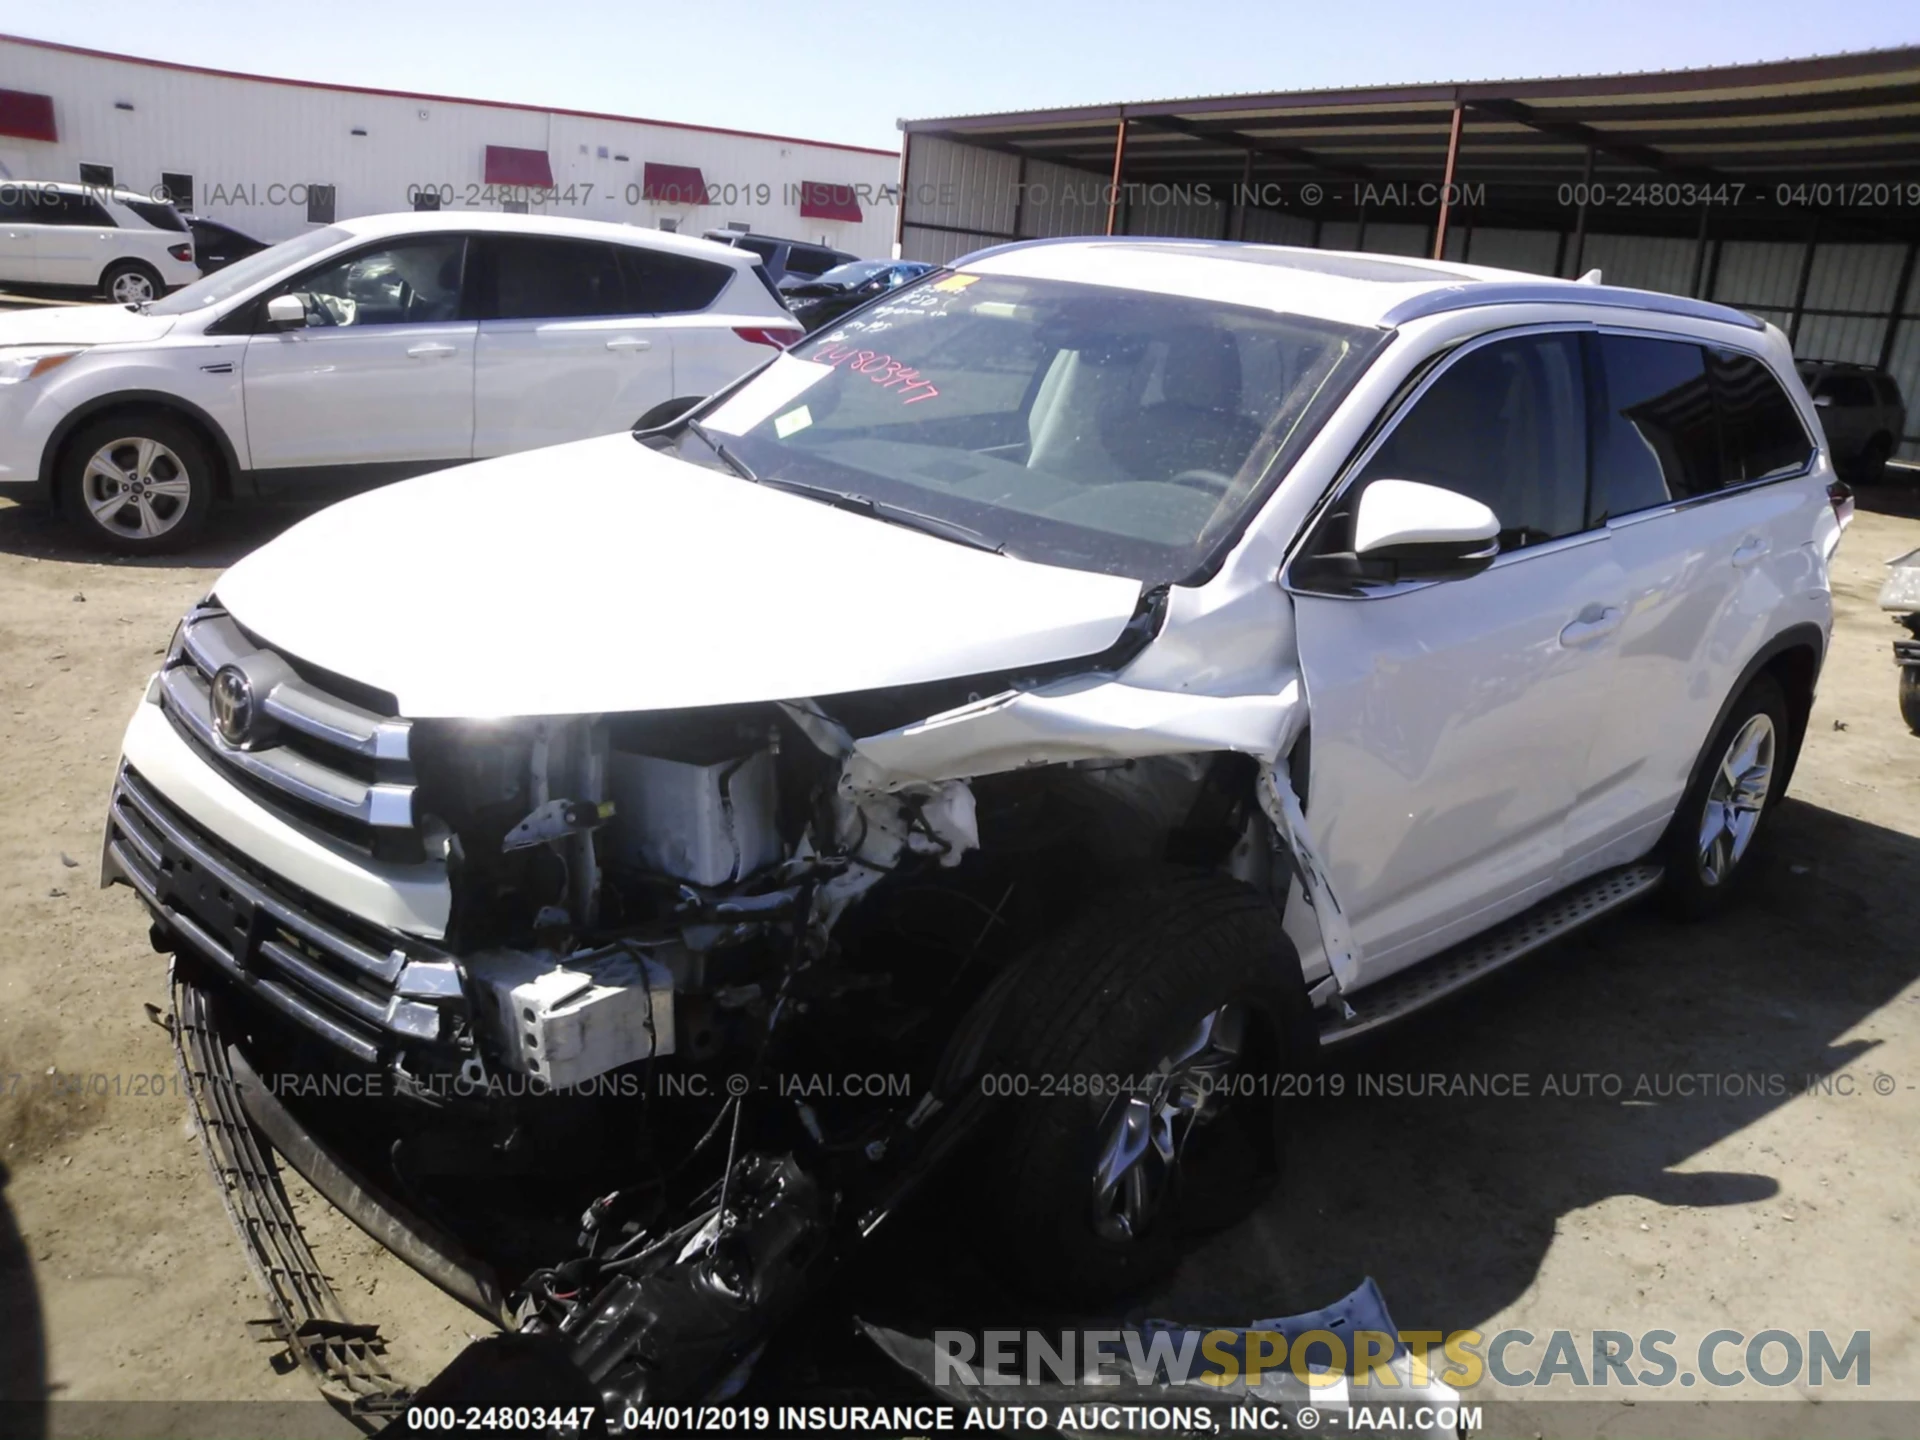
x=1452, y=1203
x=1897, y=494
x=232, y=531
x=23, y=1345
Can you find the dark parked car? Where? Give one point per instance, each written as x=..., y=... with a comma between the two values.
x=822, y=301
x=1861, y=411
x=783, y=259
x=216, y=246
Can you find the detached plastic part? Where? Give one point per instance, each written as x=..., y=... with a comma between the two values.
x=1393, y=1405
x=564, y=1021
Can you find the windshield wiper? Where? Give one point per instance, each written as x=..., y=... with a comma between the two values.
x=892, y=514
x=732, y=461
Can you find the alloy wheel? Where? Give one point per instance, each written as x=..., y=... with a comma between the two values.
x=137, y=488
x=132, y=287
x=1145, y=1133
x=1736, y=799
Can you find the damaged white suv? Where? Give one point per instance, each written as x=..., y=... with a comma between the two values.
x=1071, y=691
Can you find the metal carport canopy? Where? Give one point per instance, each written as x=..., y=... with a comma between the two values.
x=1763, y=145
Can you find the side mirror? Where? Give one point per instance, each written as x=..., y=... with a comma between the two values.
x=287, y=312
x=1423, y=530
x=1823, y=402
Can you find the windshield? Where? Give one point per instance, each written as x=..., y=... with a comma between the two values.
x=855, y=273
x=243, y=275
x=1104, y=429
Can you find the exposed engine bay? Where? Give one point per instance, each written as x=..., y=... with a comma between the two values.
x=718, y=988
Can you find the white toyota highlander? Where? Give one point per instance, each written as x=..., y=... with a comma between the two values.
x=1075, y=689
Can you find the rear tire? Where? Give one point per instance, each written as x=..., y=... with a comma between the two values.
x=130, y=282
x=1910, y=696
x=1708, y=848
x=1871, y=466
x=140, y=482
x=1124, y=1134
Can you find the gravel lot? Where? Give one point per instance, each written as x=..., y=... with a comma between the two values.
x=120, y=1280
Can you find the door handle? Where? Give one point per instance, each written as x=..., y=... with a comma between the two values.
x=626, y=343
x=1596, y=622
x=1752, y=549
x=430, y=351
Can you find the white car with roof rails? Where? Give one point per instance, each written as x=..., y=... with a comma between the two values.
x=100, y=239
x=363, y=352
x=1081, y=680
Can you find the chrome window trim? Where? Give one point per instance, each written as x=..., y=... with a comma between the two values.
x=1351, y=471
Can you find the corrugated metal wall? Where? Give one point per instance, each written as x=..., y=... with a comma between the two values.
x=253, y=146
x=1836, y=303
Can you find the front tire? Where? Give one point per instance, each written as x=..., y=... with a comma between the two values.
x=129, y=282
x=1708, y=847
x=1910, y=696
x=141, y=482
x=1145, y=1037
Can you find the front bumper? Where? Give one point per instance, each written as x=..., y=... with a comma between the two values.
x=370, y=994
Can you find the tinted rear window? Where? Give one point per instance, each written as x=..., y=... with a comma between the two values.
x=535, y=279
x=1760, y=431
x=659, y=283
x=1658, y=437
x=160, y=217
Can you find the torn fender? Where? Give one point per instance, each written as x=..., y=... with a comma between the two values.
x=1086, y=717
x=1095, y=717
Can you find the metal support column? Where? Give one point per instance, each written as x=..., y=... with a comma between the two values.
x=1580, y=218
x=1806, y=277
x=1119, y=159
x=1446, y=186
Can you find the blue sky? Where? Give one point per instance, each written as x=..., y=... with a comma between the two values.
x=846, y=72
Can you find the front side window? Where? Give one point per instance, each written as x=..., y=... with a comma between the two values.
x=243, y=275
x=1506, y=425
x=1760, y=432
x=524, y=278
x=411, y=282
x=1658, y=438
x=1080, y=425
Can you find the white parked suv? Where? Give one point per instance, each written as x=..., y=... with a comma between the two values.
x=96, y=238
x=1015, y=731
x=363, y=352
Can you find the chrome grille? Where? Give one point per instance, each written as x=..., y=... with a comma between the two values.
x=362, y=989
x=311, y=755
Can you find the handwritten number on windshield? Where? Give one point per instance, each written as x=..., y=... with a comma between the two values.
x=883, y=370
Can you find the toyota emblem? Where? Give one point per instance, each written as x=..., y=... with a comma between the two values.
x=233, y=705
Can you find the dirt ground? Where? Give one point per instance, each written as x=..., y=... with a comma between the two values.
x=120, y=1279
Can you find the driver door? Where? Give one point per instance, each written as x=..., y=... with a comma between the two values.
x=382, y=371
x=1453, y=719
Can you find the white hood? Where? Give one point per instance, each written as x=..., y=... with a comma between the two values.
x=602, y=576
x=82, y=325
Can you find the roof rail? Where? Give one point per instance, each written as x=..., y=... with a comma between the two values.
x=1476, y=293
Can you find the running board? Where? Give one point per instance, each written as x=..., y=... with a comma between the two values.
x=1420, y=985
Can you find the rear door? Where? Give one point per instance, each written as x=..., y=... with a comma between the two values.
x=1702, y=475
x=565, y=351
x=75, y=240
x=19, y=264
x=1452, y=720
x=383, y=371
